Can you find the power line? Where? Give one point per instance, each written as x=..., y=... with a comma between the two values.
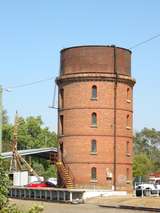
x=51, y=78
x=31, y=83
x=145, y=41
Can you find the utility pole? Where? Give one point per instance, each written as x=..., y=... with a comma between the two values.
x=1, y=111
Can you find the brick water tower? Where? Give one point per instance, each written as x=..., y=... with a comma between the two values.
x=95, y=116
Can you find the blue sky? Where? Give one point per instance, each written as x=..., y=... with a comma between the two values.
x=33, y=32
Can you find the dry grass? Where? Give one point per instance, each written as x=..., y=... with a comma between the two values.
x=127, y=200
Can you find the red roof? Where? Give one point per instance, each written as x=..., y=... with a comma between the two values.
x=155, y=174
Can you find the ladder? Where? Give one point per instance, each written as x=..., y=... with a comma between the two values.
x=65, y=175
x=63, y=171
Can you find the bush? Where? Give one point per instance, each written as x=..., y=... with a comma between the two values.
x=4, y=183
x=36, y=209
x=13, y=209
x=5, y=207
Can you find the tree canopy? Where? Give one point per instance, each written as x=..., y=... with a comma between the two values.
x=146, y=152
x=31, y=134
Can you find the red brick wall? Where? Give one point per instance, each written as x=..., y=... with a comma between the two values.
x=77, y=110
x=94, y=59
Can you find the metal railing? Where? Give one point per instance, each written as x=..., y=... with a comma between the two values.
x=54, y=159
x=46, y=194
x=69, y=171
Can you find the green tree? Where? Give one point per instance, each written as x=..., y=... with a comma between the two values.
x=4, y=117
x=142, y=165
x=7, y=135
x=44, y=168
x=31, y=134
x=4, y=183
x=5, y=207
x=7, y=130
x=147, y=151
x=146, y=141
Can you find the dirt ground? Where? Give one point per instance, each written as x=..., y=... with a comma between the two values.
x=127, y=200
x=91, y=205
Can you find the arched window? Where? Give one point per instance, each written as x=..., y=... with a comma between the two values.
x=61, y=125
x=62, y=98
x=127, y=173
x=93, y=173
x=127, y=121
x=93, y=146
x=94, y=92
x=94, y=119
x=128, y=95
x=127, y=148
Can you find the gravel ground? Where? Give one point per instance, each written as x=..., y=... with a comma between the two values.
x=89, y=207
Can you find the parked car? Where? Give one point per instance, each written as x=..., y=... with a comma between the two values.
x=37, y=184
x=146, y=189
x=50, y=184
x=52, y=180
x=41, y=184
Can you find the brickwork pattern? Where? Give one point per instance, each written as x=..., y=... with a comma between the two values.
x=78, y=107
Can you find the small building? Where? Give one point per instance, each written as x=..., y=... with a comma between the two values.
x=154, y=175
